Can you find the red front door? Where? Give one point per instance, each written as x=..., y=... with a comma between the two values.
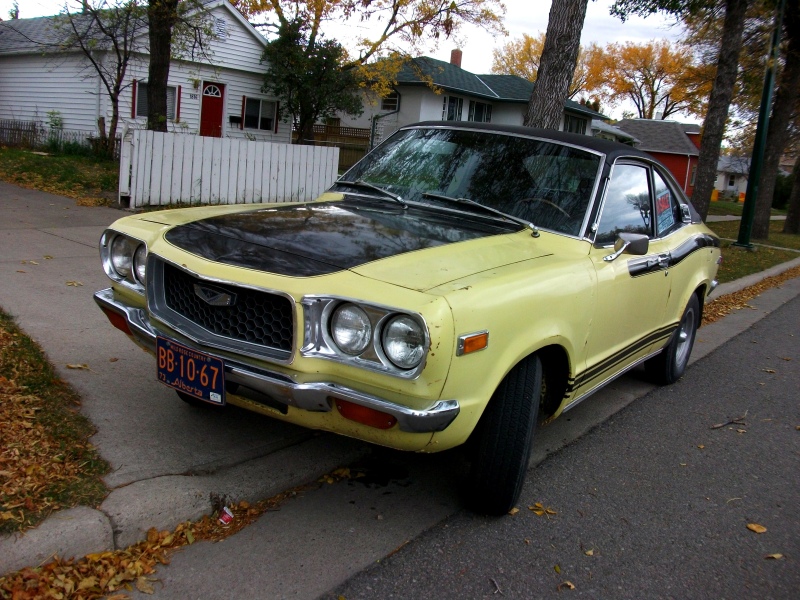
x=211, y=109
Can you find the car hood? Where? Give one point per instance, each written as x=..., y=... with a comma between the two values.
x=377, y=239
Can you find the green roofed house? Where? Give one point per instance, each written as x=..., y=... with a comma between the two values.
x=463, y=96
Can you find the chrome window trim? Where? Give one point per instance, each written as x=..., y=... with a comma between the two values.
x=318, y=343
x=157, y=306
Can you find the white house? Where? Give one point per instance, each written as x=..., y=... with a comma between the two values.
x=220, y=98
x=463, y=96
x=732, y=174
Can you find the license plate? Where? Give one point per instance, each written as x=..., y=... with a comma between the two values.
x=191, y=372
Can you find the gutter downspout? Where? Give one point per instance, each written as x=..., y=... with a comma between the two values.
x=688, y=168
x=377, y=118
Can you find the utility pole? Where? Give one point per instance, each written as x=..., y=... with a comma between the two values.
x=754, y=178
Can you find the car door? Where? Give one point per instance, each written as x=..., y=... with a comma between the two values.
x=632, y=290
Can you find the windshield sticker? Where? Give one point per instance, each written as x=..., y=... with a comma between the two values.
x=664, y=214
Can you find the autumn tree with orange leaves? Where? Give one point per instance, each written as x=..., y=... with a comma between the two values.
x=394, y=31
x=521, y=57
x=658, y=78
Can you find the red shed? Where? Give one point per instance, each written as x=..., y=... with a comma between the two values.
x=674, y=144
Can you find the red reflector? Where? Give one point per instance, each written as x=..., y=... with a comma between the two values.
x=118, y=321
x=365, y=415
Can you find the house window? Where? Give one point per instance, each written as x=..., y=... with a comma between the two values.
x=141, y=100
x=731, y=181
x=390, y=102
x=451, y=108
x=479, y=112
x=259, y=114
x=574, y=124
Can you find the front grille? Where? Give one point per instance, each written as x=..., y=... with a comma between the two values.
x=254, y=317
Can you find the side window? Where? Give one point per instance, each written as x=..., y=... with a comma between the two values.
x=668, y=210
x=627, y=204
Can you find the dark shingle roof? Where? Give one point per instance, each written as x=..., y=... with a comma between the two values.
x=498, y=88
x=738, y=165
x=23, y=36
x=660, y=136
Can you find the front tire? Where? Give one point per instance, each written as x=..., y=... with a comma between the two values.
x=503, y=440
x=669, y=366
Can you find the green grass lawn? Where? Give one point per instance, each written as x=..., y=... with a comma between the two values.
x=88, y=179
x=726, y=207
x=739, y=262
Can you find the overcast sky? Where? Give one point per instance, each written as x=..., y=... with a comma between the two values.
x=522, y=16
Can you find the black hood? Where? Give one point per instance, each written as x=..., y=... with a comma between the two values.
x=318, y=238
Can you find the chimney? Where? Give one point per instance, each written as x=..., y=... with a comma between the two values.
x=455, y=57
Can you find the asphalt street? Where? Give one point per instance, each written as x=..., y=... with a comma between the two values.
x=653, y=503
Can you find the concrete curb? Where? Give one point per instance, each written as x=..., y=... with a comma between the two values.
x=739, y=284
x=163, y=502
x=72, y=532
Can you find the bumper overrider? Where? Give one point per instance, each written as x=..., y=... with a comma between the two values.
x=315, y=396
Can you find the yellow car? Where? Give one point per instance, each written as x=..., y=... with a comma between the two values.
x=458, y=285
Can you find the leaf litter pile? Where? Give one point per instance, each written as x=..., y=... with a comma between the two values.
x=114, y=573
x=111, y=574
x=46, y=460
x=724, y=305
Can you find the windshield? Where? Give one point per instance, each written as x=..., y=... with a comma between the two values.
x=545, y=183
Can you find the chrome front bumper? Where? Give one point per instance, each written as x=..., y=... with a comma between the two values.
x=316, y=396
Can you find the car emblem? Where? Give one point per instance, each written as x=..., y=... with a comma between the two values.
x=214, y=296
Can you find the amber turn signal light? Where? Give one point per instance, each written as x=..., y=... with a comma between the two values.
x=472, y=343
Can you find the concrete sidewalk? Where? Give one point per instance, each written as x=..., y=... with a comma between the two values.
x=168, y=458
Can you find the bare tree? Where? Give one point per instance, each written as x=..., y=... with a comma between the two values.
x=557, y=65
x=109, y=37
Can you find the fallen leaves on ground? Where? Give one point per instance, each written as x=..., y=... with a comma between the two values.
x=724, y=305
x=565, y=585
x=756, y=527
x=775, y=556
x=541, y=510
x=100, y=574
x=46, y=461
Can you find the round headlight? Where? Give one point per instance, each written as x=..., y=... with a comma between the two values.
x=404, y=342
x=351, y=329
x=140, y=263
x=122, y=255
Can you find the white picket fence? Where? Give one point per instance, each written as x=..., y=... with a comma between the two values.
x=170, y=168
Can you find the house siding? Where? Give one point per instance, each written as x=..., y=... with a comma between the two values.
x=681, y=167
x=64, y=83
x=31, y=86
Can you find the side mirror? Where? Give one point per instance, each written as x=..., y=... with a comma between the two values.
x=686, y=214
x=630, y=243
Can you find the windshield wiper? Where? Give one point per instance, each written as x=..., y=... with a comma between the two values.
x=499, y=213
x=371, y=186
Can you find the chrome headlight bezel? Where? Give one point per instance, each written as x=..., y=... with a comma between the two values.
x=319, y=342
x=123, y=256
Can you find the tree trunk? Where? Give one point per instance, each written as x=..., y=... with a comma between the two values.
x=557, y=65
x=718, y=103
x=779, y=124
x=792, y=224
x=305, y=132
x=161, y=16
